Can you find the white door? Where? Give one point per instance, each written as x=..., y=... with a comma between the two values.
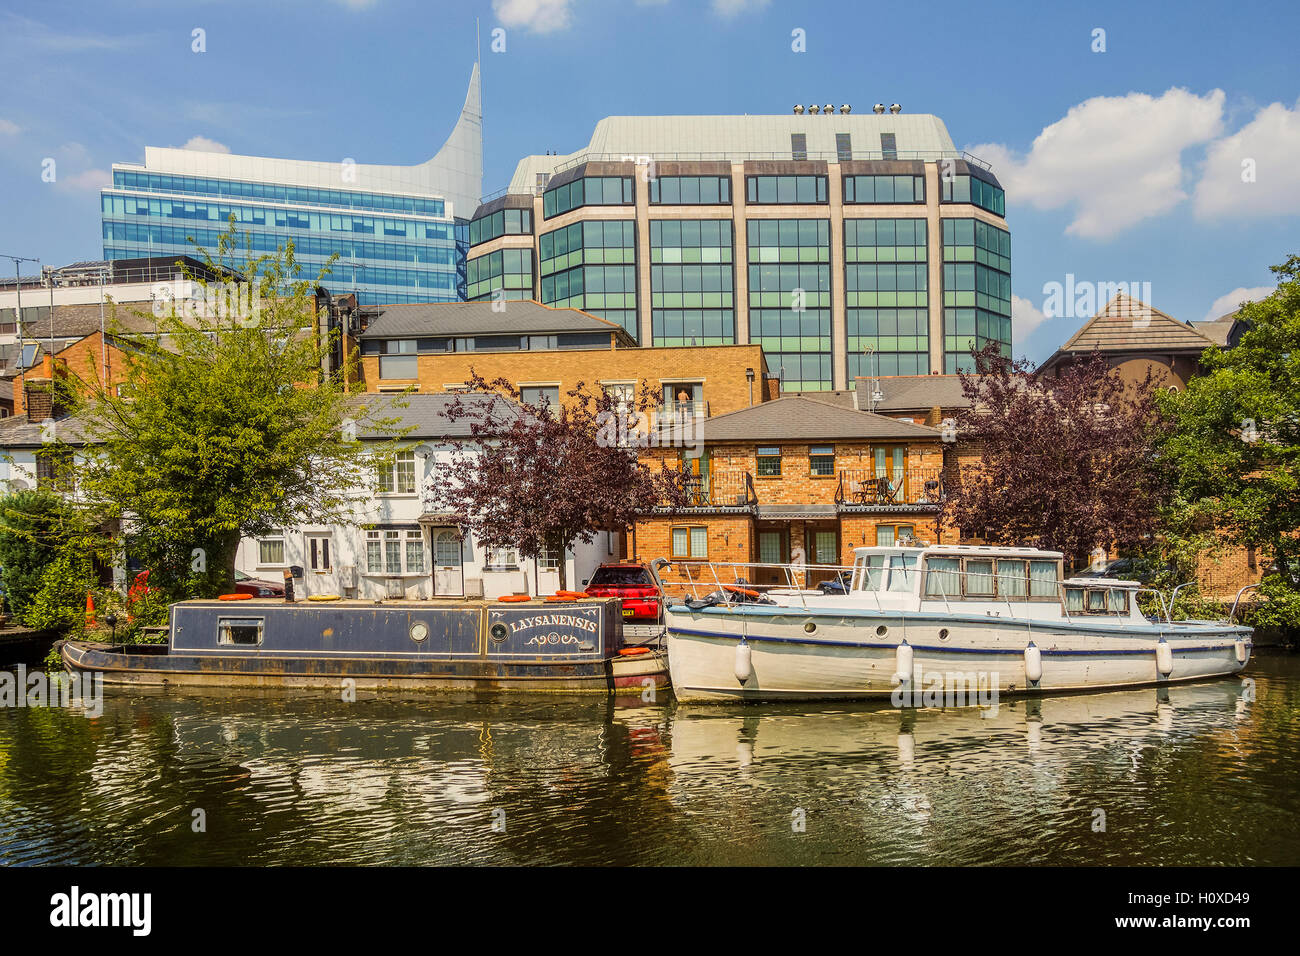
x=448, y=570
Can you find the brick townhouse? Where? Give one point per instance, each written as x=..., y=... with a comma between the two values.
x=795, y=477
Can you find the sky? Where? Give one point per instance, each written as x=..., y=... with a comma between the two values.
x=1153, y=144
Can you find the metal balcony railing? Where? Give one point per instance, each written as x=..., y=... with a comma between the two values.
x=868, y=488
x=720, y=488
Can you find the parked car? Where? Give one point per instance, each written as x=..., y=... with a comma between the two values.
x=633, y=583
x=256, y=586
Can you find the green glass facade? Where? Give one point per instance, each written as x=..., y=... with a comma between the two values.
x=591, y=266
x=972, y=190
x=692, y=285
x=976, y=290
x=507, y=269
x=886, y=297
x=589, y=191
x=790, y=299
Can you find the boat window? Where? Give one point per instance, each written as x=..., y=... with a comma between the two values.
x=1043, y=579
x=1096, y=602
x=943, y=577
x=875, y=572
x=1074, y=600
x=1119, y=600
x=979, y=577
x=901, y=568
x=1012, y=580
x=239, y=630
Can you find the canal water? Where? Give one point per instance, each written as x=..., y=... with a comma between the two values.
x=1196, y=774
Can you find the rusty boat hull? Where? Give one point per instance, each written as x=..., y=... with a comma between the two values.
x=526, y=647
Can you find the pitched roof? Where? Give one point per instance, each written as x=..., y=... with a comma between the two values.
x=804, y=419
x=77, y=320
x=426, y=415
x=913, y=393
x=17, y=431
x=524, y=317
x=1127, y=324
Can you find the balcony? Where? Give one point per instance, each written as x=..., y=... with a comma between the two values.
x=729, y=488
x=862, y=489
x=677, y=414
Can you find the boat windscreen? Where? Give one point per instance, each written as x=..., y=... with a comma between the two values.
x=902, y=568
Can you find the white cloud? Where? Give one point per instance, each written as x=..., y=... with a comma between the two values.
x=8, y=128
x=1271, y=141
x=204, y=145
x=539, y=16
x=734, y=8
x=1231, y=301
x=358, y=4
x=1025, y=317
x=1115, y=160
x=88, y=180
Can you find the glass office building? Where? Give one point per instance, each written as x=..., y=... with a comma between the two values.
x=845, y=244
x=401, y=232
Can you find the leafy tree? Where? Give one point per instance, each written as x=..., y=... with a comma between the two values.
x=1065, y=463
x=1234, y=451
x=225, y=426
x=60, y=604
x=35, y=527
x=537, y=475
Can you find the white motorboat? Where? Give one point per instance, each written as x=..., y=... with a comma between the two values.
x=940, y=625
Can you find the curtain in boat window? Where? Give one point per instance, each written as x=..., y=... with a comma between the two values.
x=1042, y=579
x=1096, y=601
x=902, y=569
x=1011, y=579
x=943, y=577
x=1074, y=600
x=979, y=577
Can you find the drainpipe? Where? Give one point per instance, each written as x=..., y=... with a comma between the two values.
x=749, y=377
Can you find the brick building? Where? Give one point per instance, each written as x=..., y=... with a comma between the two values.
x=795, y=478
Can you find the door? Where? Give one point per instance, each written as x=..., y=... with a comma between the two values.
x=772, y=549
x=448, y=569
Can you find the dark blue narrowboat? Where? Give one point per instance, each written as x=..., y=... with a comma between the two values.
x=537, y=645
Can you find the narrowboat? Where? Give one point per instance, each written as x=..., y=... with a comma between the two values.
x=916, y=624
x=529, y=645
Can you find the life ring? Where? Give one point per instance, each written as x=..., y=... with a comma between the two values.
x=737, y=589
x=514, y=598
x=234, y=597
x=633, y=651
x=323, y=597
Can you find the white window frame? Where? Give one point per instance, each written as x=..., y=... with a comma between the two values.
x=389, y=470
x=284, y=551
x=403, y=537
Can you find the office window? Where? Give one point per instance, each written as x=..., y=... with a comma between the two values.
x=798, y=146
x=398, y=476
x=785, y=189
x=821, y=460
x=541, y=395
x=790, y=299
x=690, y=542
x=769, y=461
x=843, y=147
x=690, y=191
x=888, y=146
x=692, y=283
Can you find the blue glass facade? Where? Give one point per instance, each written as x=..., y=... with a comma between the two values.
x=392, y=248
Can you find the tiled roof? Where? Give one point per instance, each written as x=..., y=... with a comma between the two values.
x=1129, y=325
x=425, y=415
x=914, y=393
x=77, y=320
x=524, y=317
x=805, y=419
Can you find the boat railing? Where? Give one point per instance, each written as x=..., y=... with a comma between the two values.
x=733, y=580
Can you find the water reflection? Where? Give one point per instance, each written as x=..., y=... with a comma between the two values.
x=1184, y=774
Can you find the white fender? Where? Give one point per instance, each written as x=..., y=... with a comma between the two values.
x=1033, y=663
x=744, y=662
x=1243, y=652
x=1164, y=658
x=903, y=662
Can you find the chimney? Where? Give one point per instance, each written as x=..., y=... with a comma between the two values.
x=38, y=394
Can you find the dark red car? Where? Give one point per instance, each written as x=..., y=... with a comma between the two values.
x=633, y=583
x=257, y=587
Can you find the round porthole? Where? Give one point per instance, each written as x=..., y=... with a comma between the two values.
x=810, y=627
x=419, y=632
x=882, y=631
x=943, y=634
x=499, y=632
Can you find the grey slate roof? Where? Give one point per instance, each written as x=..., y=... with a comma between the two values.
x=914, y=393
x=17, y=432
x=524, y=317
x=805, y=419
x=77, y=320
x=425, y=415
x=1126, y=324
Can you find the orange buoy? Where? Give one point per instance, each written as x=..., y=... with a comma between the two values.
x=633, y=651
x=737, y=589
x=559, y=598
x=234, y=597
x=90, y=610
x=512, y=598
x=571, y=594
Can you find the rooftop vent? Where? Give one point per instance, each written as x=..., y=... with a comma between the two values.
x=846, y=109
x=895, y=108
x=878, y=108
x=798, y=110
x=814, y=108
x=828, y=109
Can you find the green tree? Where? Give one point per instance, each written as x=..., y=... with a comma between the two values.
x=225, y=425
x=35, y=526
x=1234, y=451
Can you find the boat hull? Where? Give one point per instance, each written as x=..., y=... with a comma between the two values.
x=856, y=655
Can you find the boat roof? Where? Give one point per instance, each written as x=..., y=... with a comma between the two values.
x=962, y=549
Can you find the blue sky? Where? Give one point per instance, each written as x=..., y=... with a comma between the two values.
x=1120, y=166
